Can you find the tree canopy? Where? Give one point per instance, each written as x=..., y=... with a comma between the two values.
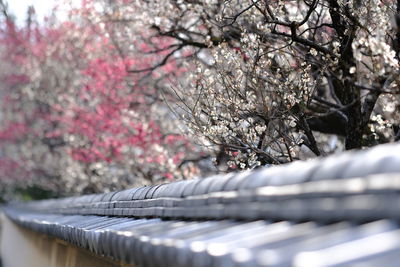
x=133, y=91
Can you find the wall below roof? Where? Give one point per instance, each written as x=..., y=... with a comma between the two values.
x=22, y=247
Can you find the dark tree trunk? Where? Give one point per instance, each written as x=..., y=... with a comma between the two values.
x=397, y=41
x=348, y=94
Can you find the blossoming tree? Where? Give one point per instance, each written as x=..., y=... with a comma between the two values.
x=74, y=118
x=262, y=82
x=282, y=77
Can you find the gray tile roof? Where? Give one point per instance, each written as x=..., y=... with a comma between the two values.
x=338, y=211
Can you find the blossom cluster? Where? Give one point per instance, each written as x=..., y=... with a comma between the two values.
x=76, y=115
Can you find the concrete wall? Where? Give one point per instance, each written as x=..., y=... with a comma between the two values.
x=21, y=247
